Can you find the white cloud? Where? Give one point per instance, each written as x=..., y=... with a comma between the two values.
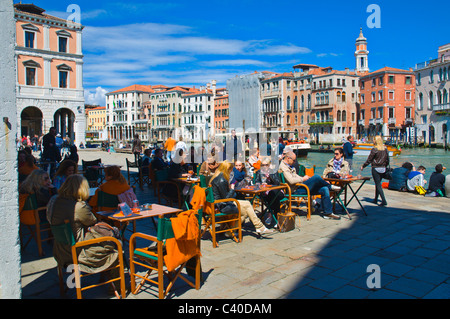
x=95, y=98
x=147, y=53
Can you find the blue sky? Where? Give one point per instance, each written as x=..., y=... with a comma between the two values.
x=178, y=42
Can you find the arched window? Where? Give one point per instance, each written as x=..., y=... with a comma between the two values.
x=303, y=103
x=322, y=98
x=327, y=98
x=420, y=102
x=445, y=97
x=288, y=103
x=430, y=102
x=309, y=101
x=338, y=97
x=439, y=97
x=295, y=104
x=344, y=116
x=431, y=76
x=445, y=74
x=338, y=116
x=343, y=97
x=440, y=74
x=317, y=98
x=288, y=120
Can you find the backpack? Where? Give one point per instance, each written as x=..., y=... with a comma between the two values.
x=420, y=190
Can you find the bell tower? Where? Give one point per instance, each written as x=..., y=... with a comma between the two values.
x=361, y=53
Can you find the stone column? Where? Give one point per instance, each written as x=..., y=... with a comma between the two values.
x=10, y=263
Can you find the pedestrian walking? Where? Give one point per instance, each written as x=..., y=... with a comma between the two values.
x=348, y=151
x=379, y=159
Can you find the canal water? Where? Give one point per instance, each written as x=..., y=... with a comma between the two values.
x=427, y=157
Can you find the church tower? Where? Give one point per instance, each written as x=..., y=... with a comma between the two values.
x=361, y=54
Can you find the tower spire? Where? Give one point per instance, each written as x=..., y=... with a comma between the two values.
x=361, y=53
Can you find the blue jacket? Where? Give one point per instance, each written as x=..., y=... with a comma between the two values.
x=348, y=150
x=399, y=178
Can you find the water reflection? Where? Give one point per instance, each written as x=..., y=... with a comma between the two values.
x=427, y=157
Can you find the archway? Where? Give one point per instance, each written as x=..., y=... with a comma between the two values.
x=63, y=121
x=445, y=135
x=431, y=134
x=31, y=121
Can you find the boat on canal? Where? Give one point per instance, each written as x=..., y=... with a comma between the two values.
x=300, y=148
x=363, y=149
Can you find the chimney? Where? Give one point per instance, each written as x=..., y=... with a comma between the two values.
x=347, y=70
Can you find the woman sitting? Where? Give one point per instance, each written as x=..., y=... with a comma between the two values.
x=38, y=183
x=65, y=169
x=222, y=189
x=26, y=164
x=238, y=174
x=337, y=167
x=115, y=184
x=209, y=167
x=70, y=204
x=273, y=197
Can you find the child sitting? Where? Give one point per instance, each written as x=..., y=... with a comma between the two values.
x=437, y=181
x=416, y=178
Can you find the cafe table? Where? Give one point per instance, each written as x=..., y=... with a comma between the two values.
x=345, y=184
x=145, y=211
x=189, y=183
x=254, y=191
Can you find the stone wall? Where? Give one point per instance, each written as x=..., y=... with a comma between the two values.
x=10, y=268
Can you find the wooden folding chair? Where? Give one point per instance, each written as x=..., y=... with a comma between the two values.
x=298, y=199
x=162, y=181
x=152, y=259
x=93, y=175
x=63, y=234
x=29, y=218
x=134, y=177
x=226, y=222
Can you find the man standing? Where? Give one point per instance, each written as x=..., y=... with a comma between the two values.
x=233, y=147
x=169, y=146
x=348, y=151
x=316, y=185
x=136, y=148
x=51, y=152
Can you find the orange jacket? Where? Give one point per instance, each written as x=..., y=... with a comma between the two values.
x=170, y=144
x=185, y=244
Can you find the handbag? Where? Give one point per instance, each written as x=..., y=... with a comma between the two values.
x=286, y=222
x=388, y=173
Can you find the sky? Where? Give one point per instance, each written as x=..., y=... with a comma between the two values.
x=191, y=43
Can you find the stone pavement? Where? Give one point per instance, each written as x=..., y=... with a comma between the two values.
x=407, y=242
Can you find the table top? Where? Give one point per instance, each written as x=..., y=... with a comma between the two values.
x=156, y=211
x=253, y=189
x=186, y=180
x=347, y=180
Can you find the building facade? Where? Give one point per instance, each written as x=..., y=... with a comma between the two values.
x=96, y=124
x=49, y=83
x=221, y=115
x=126, y=115
x=432, y=99
x=387, y=104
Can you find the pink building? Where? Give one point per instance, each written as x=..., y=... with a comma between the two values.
x=49, y=84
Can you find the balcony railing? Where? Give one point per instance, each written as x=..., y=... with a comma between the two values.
x=392, y=120
x=441, y=107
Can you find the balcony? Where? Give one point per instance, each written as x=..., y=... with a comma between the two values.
x=379, y=121
x=441, y=107
x=361, y=122
x=392, y=121
x=372, y=122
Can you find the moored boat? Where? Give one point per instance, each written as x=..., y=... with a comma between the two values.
x=300, y=149
x=363, y=149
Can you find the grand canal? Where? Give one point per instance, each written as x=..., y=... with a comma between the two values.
x=427, y=157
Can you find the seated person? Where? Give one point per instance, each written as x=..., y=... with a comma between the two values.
x=400, y=176
x=70, y=204
x=337, y=167
x=316, y=185
x=26, y=164
x=178, y=168
x=273, y=197
x=222, y=189
x=238, y=174
x=209, y=167
x=158, y=162
x=437, y=181
x=447, y=186
x=39, y=183
x=254, y=161
x=146, y=160
x=65, y=169
x=115, y=184
x=416, y=178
